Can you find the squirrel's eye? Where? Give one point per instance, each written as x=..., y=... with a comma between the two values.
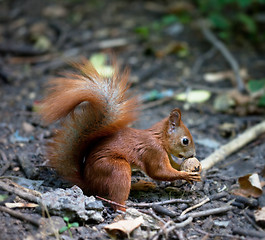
x=185, y=141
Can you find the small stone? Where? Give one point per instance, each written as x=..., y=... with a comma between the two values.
x=72, y=203
x=27, y=127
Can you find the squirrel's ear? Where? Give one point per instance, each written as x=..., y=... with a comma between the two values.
x=175, y=117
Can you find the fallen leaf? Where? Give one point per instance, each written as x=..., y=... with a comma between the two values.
x=20, y=205
x=223, y=103
x=125, y=226
x=239, y=98
x=260, y=216
x=249, y=186
x=221, y=76
x=195, y=96
x=3, y=197
x=179, y=48
x=99, y=60
x=143, y=185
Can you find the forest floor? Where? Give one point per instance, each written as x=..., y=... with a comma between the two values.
x=38, y=39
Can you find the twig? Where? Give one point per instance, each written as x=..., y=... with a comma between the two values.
x=252, y=222
x=7, y=163
x=217, y=234
x=159, y=203
x=152, y=213
x=181, y=224
x=22, y=50
x=180, y=234
x=206, y=212
x=199, y=62
x=166, y=230
x=205, y=200
x=248, y=232
x=111, y=202
x=74, y=53
x=19, y=192
x=229, y=148
x=156, y=103
x=163, y=211
x=20, y=216
x=161, y=231
x=208, y=34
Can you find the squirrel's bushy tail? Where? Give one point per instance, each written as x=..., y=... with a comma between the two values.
x=89, y=106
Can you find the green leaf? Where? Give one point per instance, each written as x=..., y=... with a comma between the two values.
x=248, y=22
x=256, y=85
x=169, y=19
x=143, y=31
x=63, y=229
x=224, y=35
x=219, y=21
x=261, y=102
x=66, y=219
x=244, y=3
x=75, y=224
x=156, y=26
x=3, y=197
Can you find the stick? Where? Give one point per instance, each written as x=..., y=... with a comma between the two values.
x=251, y=233
x=218, y=234
x=153, y=214
x=159, y=203
x=199, y=62
x=206, y=212
x=181, y=224
x=111, y=202
x=7, y=163
x=20, y=216
x=166, y=230
x=208, y=34
x=19, y=192
x=162, y=230
x=229, y=148
x=195, y=206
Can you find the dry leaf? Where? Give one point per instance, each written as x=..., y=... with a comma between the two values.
x=143, y=185
x=260, y=215
x=220, y=76
x=249, y=186
x=20, y=205
x=195, y=96
x=239, y=98
x=173, y=47
x=125, y=226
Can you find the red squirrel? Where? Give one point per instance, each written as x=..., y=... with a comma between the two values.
x=95, y=148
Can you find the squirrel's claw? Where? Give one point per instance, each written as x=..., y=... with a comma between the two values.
x=192, y=176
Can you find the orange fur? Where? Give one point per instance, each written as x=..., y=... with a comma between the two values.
x=94, y=147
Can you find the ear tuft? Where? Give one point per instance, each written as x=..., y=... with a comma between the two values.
x=175, y=117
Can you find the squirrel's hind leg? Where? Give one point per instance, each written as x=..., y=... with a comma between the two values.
x=109, y=177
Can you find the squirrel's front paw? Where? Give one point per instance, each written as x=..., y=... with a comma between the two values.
x=191, y=176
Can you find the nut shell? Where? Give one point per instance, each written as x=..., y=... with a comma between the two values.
x=191, y=165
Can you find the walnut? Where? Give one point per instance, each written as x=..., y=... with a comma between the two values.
x=191, y=165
